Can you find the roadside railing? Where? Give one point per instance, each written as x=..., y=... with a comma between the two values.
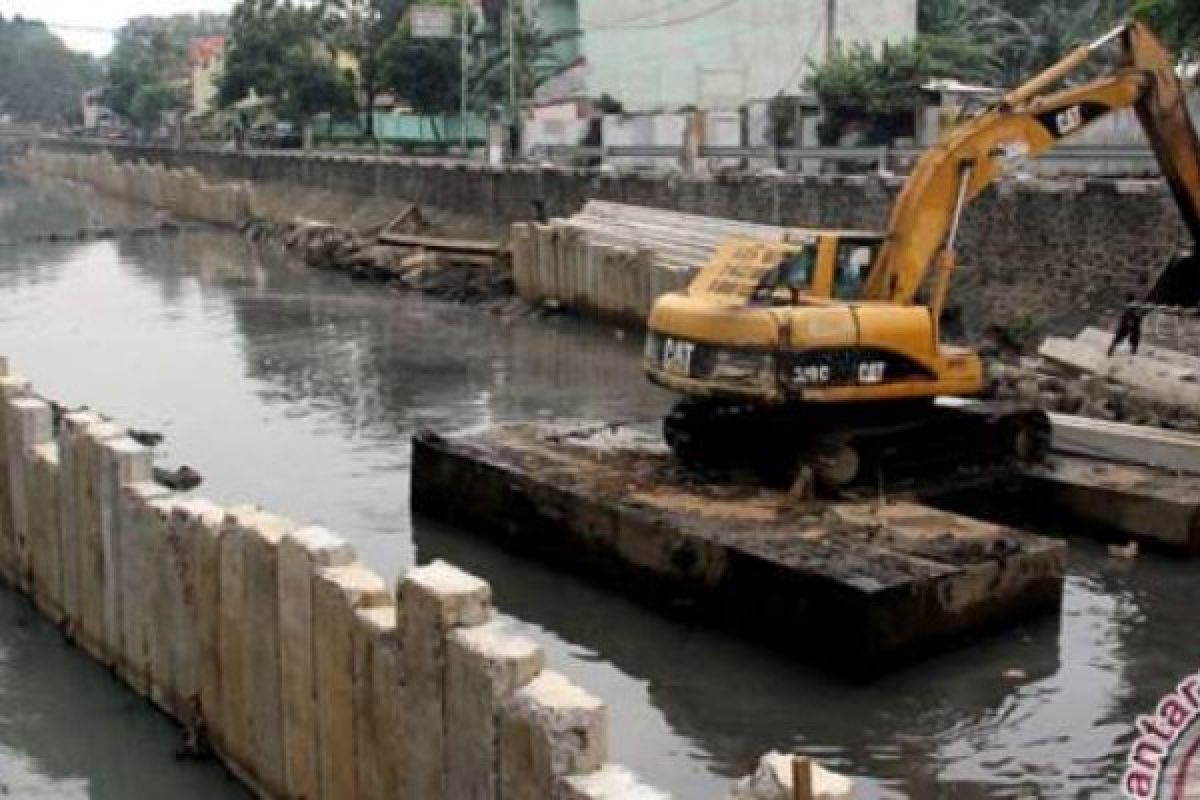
x=1067, y=160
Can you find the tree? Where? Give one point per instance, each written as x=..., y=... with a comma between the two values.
x=276, y=50
x=364, y=28
x=1178, y=21
x=148, y=66
x=857, y=88
x=537, y=56
x=41, y=80
x=427, y=72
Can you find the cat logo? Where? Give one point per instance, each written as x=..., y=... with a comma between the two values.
x=1069, y=120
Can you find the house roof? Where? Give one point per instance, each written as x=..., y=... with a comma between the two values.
x=203, y=49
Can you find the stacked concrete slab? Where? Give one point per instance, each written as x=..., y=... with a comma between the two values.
x=184, y=192
x=274, y=643
x=613, y=260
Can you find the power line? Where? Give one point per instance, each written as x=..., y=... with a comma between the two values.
x=669, y=23
x=655, y=9
x=66, y=26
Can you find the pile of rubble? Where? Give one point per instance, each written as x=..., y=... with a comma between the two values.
x=1076, y=376
x=451, y=270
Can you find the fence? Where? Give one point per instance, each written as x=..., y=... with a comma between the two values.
x=1085, y=160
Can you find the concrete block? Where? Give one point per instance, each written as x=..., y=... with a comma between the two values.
x=302, y=554
x=29, y=424
x=484, y=666
x=378, y=704
x=122, y=461
x=190, y=563
x=612, y=782
x=45, y=543
x=338, y=592
x=11, y=387
x=264, y=717
x=549, y=730
x=433, y=600
x=144, y=511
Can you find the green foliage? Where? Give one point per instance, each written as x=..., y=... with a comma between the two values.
x=148, y=66
x=276, y=50
x=1000, y=43
x=1177, y=21
x=426, y=72
x=40, y=79
x=363, y=28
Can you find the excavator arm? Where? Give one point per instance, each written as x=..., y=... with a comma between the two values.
x=1026, y=123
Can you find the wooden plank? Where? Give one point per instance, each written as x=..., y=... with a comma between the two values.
x=493, y=249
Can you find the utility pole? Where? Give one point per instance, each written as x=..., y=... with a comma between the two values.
x=830, y=29
x=465, y=56
x=512, y=59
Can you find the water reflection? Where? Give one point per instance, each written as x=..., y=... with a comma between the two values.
x=301, y=390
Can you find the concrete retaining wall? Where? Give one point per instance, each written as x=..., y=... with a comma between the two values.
x=1048, y=254
x=308, y=676
x=182, y=191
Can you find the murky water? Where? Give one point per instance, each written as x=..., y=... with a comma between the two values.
x=300, y=390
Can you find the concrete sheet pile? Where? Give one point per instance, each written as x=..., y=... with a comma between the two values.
x=613, y=260
x=184, y=192
x=274, y=644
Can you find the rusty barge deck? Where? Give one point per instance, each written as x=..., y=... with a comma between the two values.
x=857, y=588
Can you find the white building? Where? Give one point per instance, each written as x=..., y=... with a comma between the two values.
x=654, y=55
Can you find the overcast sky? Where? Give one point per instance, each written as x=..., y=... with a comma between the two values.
x=83, y=25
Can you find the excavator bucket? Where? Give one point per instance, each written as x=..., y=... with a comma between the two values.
x=1178, y=285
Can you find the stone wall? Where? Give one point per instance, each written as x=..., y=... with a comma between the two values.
x=271, y=641
x=1053, y=256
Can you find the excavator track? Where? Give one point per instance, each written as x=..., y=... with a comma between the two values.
x=862, y=445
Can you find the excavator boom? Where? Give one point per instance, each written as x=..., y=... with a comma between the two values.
x=1026, y=123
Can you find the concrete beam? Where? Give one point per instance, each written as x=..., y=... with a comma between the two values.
x=1154, y=379
x=378, y=704
x=262, y=713
x=191, y=562
x=549, y=730
x=338, y=593
x=302, y=554
x=45, y=532
x=29, y=424
x=11, y=387
x=485, y=665
x=434, y=599
x=144, y=512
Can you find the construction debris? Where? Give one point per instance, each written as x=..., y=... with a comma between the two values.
x=406, y=255
x=1163, y=376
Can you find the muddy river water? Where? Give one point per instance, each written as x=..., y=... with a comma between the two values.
x=300, y=390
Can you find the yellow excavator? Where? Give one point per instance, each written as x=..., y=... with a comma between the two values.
x=825, y=347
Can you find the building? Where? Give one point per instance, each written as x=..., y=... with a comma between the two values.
x=206, y=59
x=96, y=115
x=666, y=55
